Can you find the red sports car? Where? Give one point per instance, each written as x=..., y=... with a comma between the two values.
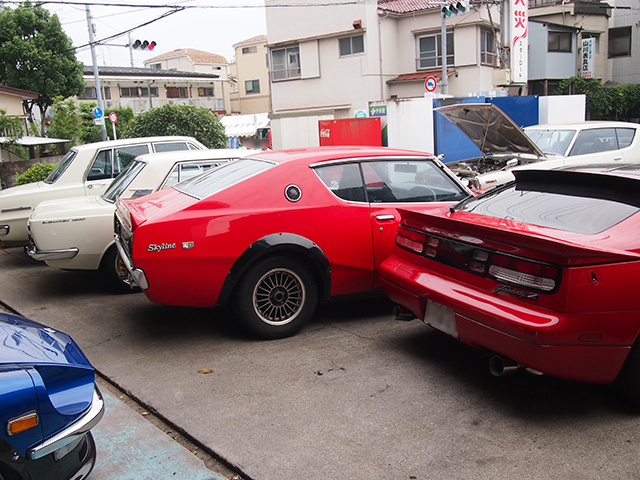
x=543, y=272
x=277, y=232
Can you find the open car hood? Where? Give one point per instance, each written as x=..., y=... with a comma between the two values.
x=490, y=129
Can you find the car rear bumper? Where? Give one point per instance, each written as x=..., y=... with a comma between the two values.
x=43, y=255
x=503, y=329
x=136, y=274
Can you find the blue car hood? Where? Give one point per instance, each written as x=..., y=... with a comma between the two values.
x=25, y=342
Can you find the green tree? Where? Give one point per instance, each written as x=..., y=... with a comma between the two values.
x=197, y=122
x=65, y=120
x=92, y=133
x=36, y=55
x=35, y=173
x=11, y=127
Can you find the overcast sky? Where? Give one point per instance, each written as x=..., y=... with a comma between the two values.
x=213, y=30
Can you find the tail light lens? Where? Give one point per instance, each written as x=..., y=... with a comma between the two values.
x=410, y=240
x=524, y=273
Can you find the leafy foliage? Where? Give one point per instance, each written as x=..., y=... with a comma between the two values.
x=11, y=127
x=197, y=122
x=65, y=120
x=92, y=133
x=36, y=55
x=35, y=173
x=620, y=102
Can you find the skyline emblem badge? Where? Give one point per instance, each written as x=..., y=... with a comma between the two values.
x=187, y=245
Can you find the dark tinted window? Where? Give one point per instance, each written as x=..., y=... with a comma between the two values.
x=572, y=202
x=122, y=181
x=345, y=181
x=595, y=140
x=217, y=179
x=170, y=147
x=625, y=136
x=125, y=155
x=101, y=167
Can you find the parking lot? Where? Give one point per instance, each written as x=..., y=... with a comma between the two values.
x=355, y=395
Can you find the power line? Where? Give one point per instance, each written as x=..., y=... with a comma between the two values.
x=131, y=5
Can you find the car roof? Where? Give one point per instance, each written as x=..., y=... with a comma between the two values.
x=317, y=155
x=631, y=170
x=583, y=125
x=194, y=155
x=129, y=141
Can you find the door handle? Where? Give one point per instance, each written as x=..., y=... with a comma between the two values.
x=617, y=159
x=385, y=218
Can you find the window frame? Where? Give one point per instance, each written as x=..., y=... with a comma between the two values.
x=420, y=65
x=341, y=42
x=249, y=49
x=488, y=50
x=288, y=70
x=253, y=90
x=204, y=92
x=613, y=35
x=558, y=35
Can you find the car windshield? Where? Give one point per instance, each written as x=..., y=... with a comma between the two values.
x=122, y=181
x=217, y=179
x=551, y=141
x=61, y=167
x=570, y=201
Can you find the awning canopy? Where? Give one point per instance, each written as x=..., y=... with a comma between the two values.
x=244, y=125
x=29, y=141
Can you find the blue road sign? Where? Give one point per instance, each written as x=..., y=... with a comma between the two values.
x=97, y=112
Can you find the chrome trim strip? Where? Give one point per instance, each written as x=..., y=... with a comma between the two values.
x=381, y=158
x=137, y=274
x=73, y=431
x=36, y=254
x=16, y=209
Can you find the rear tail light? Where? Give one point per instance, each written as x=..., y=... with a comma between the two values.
x=513, y=270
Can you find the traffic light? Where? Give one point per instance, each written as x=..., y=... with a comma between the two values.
x=143, y=45
x=456, y=8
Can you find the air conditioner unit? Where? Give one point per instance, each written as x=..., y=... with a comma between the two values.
x=501, y=78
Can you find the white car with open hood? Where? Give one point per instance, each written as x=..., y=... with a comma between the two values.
x=77, y=233
x=506, y=147
x=84, y=170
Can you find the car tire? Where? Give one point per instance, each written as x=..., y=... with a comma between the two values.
x=276, y=297
x=115, y=272
x=628, y=381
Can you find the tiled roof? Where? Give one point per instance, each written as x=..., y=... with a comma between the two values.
x=109, y=71
x=18, y=92
x=196, y=56
x=420, y=76
x=407, y=6
x=259, y=38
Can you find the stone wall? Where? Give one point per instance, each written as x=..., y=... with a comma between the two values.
x=11, y=165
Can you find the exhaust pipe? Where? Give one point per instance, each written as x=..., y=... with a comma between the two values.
x=403, y=314
x=500, y=366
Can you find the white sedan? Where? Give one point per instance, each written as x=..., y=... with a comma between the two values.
x=77, y=233
x=85, y=170
x=507, y=148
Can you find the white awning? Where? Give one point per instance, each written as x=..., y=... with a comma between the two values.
x=244, y=125
x=29, y=141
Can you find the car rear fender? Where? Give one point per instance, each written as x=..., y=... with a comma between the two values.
x=280, y=244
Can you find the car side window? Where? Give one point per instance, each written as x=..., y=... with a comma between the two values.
x=170, y=147
x=344, y=181
x=183, y=172
x=101, y=167
x=125, y=155
x=625, y=136
x=595, y=140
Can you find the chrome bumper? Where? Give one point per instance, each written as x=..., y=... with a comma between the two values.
x=36, y=254
x=136, y=274
x=73, y=431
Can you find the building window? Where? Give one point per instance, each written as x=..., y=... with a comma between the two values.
x=488, y=54
x=251, y=49
x=90, y=93
x=156, y=66
x=205, y=92
x=129, y=92
x=252, y=86
x=144, y=91
x=430, y=51
x=285, y=63
x=351, y=45
x=620, y=42
x=559, y=41
x=177, y=92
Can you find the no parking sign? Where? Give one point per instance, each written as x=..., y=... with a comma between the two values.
x=430, y=84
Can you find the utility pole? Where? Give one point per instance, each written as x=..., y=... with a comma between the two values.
x=95, y=71
x=443, y=42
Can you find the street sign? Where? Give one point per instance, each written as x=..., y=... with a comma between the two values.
x=430, y=84
x=97, y=112
x=361, y=114
x=98, y=121
x=113, y=117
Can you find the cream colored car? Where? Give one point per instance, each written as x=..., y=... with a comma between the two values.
x=506, y=148
x=77, y=233
x=86, y=170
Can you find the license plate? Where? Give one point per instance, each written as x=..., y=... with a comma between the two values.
x=441, y=318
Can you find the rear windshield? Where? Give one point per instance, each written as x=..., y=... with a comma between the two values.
x=576, y=204
x=122, y=181
x=61, y=167
x=217, y=179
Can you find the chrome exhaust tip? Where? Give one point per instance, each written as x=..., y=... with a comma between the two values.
x=500, y=366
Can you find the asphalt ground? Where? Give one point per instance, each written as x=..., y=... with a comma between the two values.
x=354, y=396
